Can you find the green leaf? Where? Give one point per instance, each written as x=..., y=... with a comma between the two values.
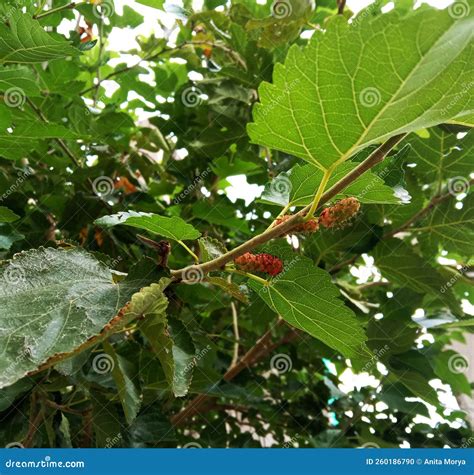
x=305, y=297
x=65, y=432
x=20, y=79
x=417, y=384
x=355, y=85
x=173, y=345
x=402, y=266
x=129, y=19
x=449, y=227
x=7, y=215
x=71, y=298
x=368, y=188
x=391, y=335
x=210, y=248
x=127, y=391
x=450, y=367
x=172, y=228
x=25, y=41
x=152, y=3
x=106, y=422
x=27, y=135
x=441, y=154
x=8, y=236
x=150, y=427
x=229, y=287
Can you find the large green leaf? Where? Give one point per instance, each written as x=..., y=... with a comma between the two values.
x=449, y=227
x=172, y=228
x=359, y=84
x=402, y=266
x=441, y=155
x=305, y=297
x=53, y=303
x=25, y=41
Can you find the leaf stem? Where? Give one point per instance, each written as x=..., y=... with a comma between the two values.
x=281, y=213
x=248, y=274
x=319, y=193
x=194, y=256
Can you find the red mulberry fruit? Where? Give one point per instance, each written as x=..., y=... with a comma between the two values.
x=340, y=213
x=260, y=262
x=310, y=226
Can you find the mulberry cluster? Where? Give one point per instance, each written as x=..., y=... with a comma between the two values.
x=310, y=226
x=340, y=213
x=260, y=262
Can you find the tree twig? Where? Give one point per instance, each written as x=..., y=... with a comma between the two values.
x=68, y=6
x=340, y=6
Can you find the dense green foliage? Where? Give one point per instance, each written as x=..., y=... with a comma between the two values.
x=124, y=321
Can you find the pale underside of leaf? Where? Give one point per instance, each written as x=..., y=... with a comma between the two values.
x=53, y=303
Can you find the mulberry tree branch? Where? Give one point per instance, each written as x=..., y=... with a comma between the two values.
x=376, y=157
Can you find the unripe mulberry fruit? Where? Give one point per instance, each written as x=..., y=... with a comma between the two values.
x=310, y=226
x=340, y=213
x=260, y=262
